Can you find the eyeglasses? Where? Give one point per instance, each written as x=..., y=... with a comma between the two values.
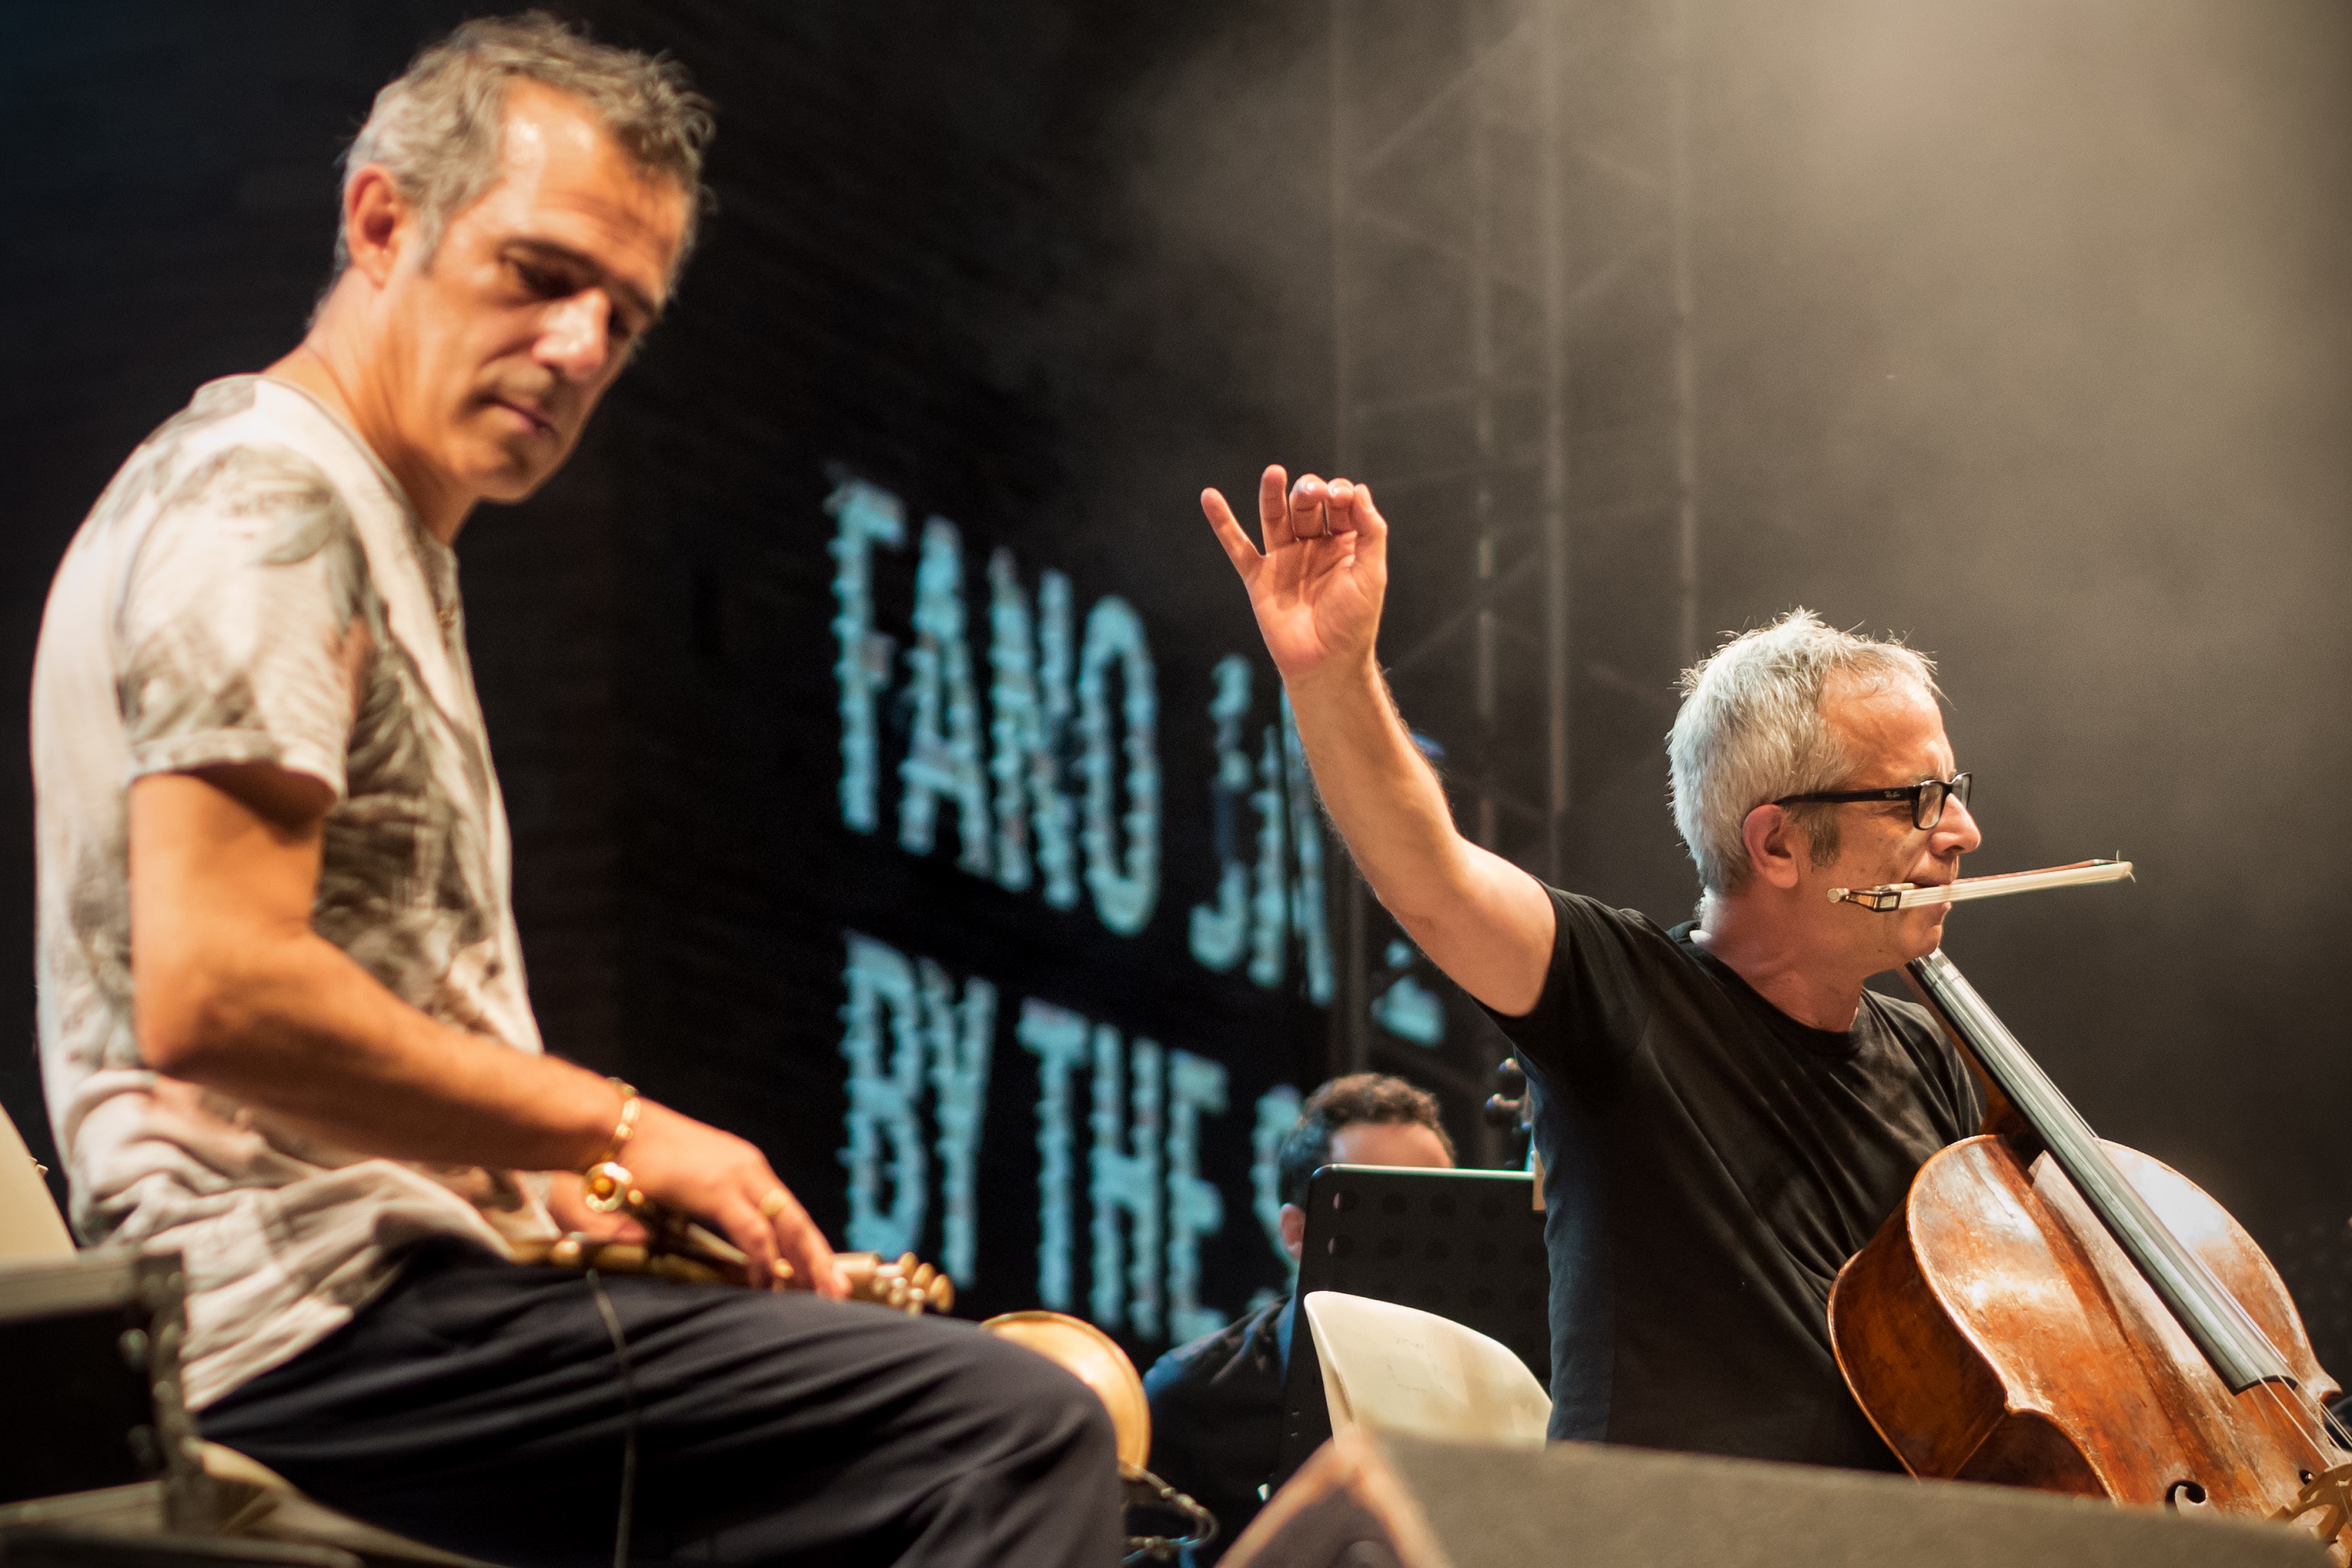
x=1926, y=797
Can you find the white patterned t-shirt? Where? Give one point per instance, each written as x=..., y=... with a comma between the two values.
x=253, y=587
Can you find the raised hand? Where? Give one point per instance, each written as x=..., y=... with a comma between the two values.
x=1319, y=584
x=1318, y=588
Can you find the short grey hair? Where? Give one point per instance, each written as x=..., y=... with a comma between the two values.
x=1750, y=731
x=437, y=127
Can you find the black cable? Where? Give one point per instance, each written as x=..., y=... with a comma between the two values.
x=628, y=1420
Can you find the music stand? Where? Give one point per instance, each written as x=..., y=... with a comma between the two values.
x=1464, y=1244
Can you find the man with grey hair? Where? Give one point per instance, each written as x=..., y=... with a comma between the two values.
x=1725, y=1115
x=284, y=1027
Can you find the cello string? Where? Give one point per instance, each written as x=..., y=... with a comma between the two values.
x=2330, y=1424
x=2319, y=1444
x=2320, y=1455
x=2331, y=1431
x=2300, y=1418
x=2314, y=1422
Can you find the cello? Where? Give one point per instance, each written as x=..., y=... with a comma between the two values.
x=2050, y=1311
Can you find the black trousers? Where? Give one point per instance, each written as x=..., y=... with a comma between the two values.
x=478, y=1406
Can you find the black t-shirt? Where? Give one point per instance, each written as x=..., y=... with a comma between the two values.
x=1709, y=1165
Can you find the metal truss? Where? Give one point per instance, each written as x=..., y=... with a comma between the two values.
x=1511, y=271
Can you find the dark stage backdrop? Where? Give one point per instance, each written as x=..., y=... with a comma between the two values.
x=2023, y=332
x=913, y=647
x=853, y=688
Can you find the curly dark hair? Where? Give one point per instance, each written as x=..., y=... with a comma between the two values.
x=1342, y=1103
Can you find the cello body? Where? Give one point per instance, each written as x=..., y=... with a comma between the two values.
x=1994, y=1331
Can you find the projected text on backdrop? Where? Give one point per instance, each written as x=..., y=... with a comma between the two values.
x=1031, y=753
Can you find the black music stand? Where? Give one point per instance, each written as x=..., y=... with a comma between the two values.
x=1464, y=1244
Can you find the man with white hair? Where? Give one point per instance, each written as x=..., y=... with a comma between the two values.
x=1725, y=1115
x=284, y=1027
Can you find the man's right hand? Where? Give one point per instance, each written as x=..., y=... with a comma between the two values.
x=1317, y=585
x=1317, y=589
x=718, y=1177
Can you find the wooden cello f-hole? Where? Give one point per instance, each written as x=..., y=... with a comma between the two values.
x=2183, y=1497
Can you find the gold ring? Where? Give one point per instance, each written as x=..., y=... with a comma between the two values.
x=775, y=1204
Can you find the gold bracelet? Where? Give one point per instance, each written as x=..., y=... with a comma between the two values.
x=625, y=1128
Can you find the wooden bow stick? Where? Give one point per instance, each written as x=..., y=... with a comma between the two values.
x=1893, y=896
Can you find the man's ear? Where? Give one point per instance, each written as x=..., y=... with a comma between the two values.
x=375, y=223
x=1777, y=847
x=1293, y=1220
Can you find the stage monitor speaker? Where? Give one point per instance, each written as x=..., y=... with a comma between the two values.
x=90, y=1379
x=1402, y=1503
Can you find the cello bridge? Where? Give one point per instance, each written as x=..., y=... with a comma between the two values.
x=2327, y=1494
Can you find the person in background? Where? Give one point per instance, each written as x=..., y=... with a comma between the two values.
x=1216, y=1403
